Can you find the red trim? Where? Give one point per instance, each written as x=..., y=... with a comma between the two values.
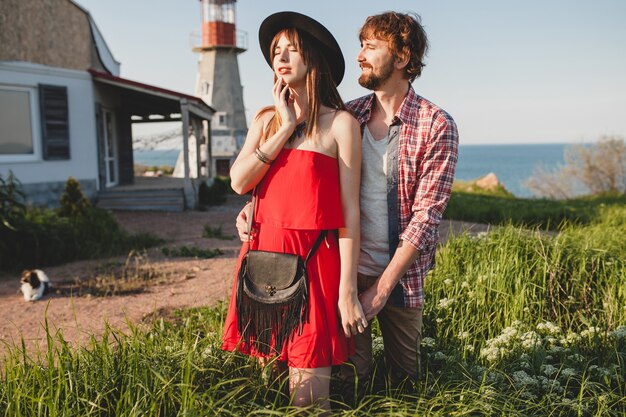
x=106, y=76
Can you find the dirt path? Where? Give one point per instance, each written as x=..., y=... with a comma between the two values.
x=190, y=282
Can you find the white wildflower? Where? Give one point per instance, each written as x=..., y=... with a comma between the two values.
x=522, y=379
x=440, y=356
x=465, y=284
x=445, y=303
x=548, y=370
x=571, y=339
x=590, y=332
x=469, y=348
x=428, y=342
x=568, y=372
x=448, y=282
x=549, y=328
x=530, y=340
x=556, y=350
x=378, y=345
x=551, y=341
x=576, y=358
x=492, y=354
x=619, y=333
x=463, y=335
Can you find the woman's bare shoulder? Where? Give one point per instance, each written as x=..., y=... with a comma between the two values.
x=343, y=120
x=263, y=116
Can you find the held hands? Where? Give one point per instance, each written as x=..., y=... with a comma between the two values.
x=284, y=103
x=353, y=320
x=372, y=301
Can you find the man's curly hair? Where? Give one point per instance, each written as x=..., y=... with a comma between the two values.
x=405, y=36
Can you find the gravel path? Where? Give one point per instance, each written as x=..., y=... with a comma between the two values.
x=190, y=282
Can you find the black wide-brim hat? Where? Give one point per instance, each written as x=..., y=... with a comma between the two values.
x=324, y=39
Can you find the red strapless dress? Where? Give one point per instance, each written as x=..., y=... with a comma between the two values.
x=298, y=197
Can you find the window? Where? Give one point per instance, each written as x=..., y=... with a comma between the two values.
x=19, y=133
x=222, y=119
x=22, y=137
x=55, y=127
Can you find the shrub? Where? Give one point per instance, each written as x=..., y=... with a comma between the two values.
x=596, y=169
x=214, y=194
x=12, y=207
x=73, y=202
x=37, y=237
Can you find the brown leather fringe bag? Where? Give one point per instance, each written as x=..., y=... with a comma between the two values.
x=272, y=295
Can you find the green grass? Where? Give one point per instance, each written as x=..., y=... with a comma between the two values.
x=499, y=208
x=216, y=232
x=516, y=323
x=191, y=252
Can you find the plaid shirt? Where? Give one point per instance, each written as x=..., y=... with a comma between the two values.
x=419, y=182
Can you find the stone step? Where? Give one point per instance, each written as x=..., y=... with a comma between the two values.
x=142, y=200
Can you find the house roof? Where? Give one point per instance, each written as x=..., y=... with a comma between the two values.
x=144, y=100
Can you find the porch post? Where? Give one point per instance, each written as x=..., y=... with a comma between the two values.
x=197, y=132
x=190, y=195
x=206, y=127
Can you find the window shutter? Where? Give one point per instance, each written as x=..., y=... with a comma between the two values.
x=55, y=128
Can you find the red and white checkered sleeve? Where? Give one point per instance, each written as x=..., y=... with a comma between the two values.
x=434, y=184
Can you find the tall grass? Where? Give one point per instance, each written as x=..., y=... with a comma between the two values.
x=517, y=323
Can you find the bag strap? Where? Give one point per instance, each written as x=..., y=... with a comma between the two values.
x=315, y=246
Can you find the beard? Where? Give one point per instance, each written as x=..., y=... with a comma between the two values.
x=376, y=77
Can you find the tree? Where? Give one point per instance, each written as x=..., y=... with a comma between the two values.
x=589, y=169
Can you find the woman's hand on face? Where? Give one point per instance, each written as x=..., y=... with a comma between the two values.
x=353, y=319
x=284, y=103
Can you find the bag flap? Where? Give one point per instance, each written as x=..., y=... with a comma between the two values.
x=272, y=268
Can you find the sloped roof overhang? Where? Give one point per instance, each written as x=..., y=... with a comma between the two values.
x=148, y=103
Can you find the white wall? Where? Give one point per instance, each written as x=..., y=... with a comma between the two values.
x=83, y=162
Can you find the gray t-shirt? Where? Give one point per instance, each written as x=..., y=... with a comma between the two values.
x=374, y=254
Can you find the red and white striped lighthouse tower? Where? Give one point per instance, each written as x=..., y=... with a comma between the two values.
x=218, y=82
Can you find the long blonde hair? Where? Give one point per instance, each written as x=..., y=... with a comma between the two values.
x=320, y=86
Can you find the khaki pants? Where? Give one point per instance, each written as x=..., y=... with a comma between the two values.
x=401, y=329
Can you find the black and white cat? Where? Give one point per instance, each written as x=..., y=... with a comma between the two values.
x=35, y=284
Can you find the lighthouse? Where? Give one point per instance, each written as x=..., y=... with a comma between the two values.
x=218, y=82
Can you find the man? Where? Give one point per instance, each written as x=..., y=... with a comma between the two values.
x=410, y=150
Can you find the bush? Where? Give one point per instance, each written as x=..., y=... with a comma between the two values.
x=73, y=202
x=38, y=237
x=12, y=207
x=214, y=194
x=596, y=169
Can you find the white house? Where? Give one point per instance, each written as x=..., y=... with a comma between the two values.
x=65, y=111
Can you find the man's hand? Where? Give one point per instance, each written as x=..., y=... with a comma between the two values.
x=372, y=300
x=242, y=222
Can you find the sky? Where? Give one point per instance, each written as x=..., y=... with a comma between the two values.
x=508, y=72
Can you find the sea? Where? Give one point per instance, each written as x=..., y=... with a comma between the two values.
x=512, y=164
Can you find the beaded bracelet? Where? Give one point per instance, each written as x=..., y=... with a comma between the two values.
x=262, y=156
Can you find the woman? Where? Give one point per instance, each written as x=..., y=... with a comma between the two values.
x=303, y=155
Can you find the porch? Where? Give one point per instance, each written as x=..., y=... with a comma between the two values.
x=122, y=103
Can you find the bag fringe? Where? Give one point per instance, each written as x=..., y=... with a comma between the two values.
x=261, y=324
